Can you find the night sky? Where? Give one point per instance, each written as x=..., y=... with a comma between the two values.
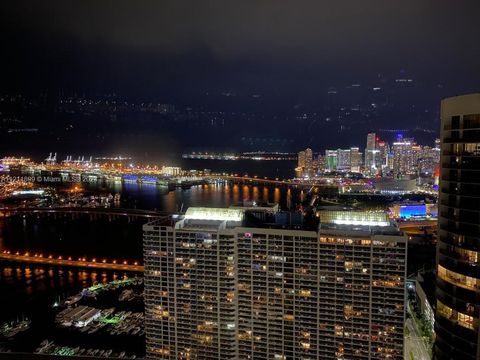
x=290, y=48
x=243, y=75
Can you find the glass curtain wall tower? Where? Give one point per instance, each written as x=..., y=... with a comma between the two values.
x=458, y=248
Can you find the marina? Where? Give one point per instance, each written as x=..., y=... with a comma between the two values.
x=93, y=312
x=14, y=328
x=50, y=348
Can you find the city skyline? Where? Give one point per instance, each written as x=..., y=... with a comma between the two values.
x=119, y=125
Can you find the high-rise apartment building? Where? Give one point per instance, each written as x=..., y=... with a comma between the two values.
x=305, y=165
x=417, y=152
x=382, y=159
x=428, y=160
x=371, y=141
x=458, y=247
x=308, y=157
x=343, y=160
x=300, y=169
x=371, y=154
x=320, y=162
x=217, y=287
x=355, y=159
x=301, y=159
x=403, y=158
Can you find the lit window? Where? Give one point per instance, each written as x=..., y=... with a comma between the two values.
x=444, y=310
x=230, y=296
x=305, y=293
x=456, y=278
x=465, y=321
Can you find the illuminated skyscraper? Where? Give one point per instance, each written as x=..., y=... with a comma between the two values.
x=458, y=247
x=218, y=288
x=320, y=162
x=403, y=159
x=428, y=160
x=308, y=157
x=417, y=154
x=331, y=160
x=301, y=159
x=382, y=158
x=305, y=165
x=343, y=160
x=300, y=169
x=371, y=153
x=355, y=159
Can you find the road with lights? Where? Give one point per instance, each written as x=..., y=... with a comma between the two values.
x=84, y=210
x=69, y=261
x=414, y=345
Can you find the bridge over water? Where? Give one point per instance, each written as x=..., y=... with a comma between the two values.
x=247, y=180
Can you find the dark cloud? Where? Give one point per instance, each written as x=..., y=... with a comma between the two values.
x=214, y=42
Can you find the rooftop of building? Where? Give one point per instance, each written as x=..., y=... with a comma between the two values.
x=458, y=105
x=163, y=221
x=252, y=215
x=360, y=230
x=329, y=221
x=361, y=222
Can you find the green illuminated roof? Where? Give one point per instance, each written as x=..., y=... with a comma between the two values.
x=220, y=214
x=370, y=218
